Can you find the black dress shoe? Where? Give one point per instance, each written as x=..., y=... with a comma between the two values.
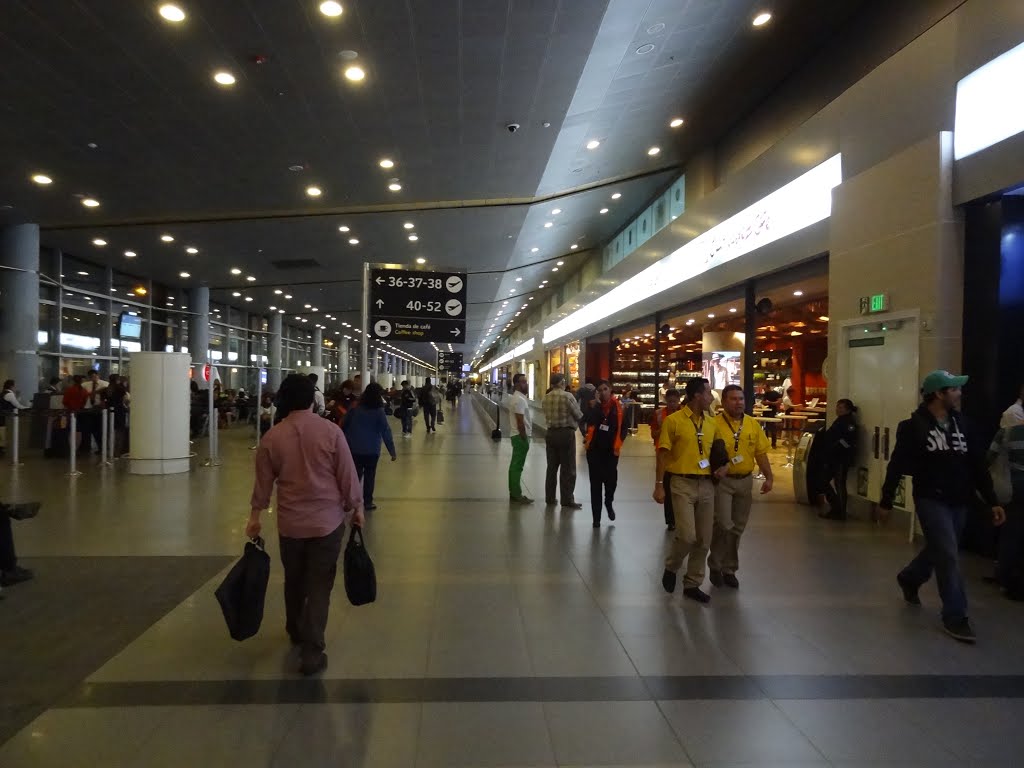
x=550, y=502
x=571, y=505
x=611, y=512
x=23, y=511
x=668, y=581
x=716, y=578
x=910, y=592
x=730, y=580
x=311, y=667
x=696, y=593
x=15, y=576
x=597, y=523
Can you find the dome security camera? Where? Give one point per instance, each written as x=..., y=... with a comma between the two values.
x=512, y=127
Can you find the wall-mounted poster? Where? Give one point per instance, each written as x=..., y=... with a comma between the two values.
x=722, y=369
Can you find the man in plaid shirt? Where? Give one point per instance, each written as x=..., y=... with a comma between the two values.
x=562, y=415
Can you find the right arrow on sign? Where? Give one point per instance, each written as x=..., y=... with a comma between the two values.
x=455, y=332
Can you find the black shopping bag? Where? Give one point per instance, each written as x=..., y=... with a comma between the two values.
x=243, y=591
x=360, y=577
x=440, y=417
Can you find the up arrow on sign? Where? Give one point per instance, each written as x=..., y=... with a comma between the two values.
x=380, y=303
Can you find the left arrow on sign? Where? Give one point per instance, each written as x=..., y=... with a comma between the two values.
x=379, y=280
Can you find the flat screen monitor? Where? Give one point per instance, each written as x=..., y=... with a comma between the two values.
x=130, y=326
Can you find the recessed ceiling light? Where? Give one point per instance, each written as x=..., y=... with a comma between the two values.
x=559, y=263
x=90, y=202
x=732, y=309
x=556, y=211
x=414, y=237
x=130, y=254
x=676, y=122
x=308, y=306
x=224, y=78
x=645, y=48
x=192, y=249
x=386, y=163
x=184, y=274
x=711, y=315
x=278, y=292
x=236, y=294
x=761, y=19
x=343, y=228
x=236, y=271
x=172, y=12
x=355, y=74
x=604, y=210
x=593, y=144
x=167, y=238
x=394, y=186
x=280, y=311
x=353, y=241
x=409, y=225
x=554, y=269
x=534, y=250
x=421, y=260
x=272, y=309
x=653, y=151
x=519, y=279
x=250, y=278
x=331, y=8
x=99, y=241
x=83, y=273
x=798, y=293
x=314, y=191
x=41, y=178
x=248, y=298
x=616, y=196
x=287, y=295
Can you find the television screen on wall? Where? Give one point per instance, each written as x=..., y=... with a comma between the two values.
x=129, y=327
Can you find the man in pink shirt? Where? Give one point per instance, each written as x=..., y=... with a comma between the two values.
x=317, y=489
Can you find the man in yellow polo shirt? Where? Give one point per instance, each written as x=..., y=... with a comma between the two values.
x=690, y=450
x=745, y=443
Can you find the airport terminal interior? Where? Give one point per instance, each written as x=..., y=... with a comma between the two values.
x=214, y=213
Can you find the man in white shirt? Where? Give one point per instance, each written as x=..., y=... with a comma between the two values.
x=522, y=429
x=1014, y=415
x=319, y=404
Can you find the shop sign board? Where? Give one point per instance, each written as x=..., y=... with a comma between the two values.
x=415, y=305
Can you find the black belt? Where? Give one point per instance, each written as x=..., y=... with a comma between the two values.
x=550, y=428
x=692, y=477
x=740, y=477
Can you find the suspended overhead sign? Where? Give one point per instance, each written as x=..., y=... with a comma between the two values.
x=414, y=305
x=449, y=361
x=801, y=203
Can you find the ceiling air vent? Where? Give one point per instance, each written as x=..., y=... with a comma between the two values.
x=296, y=264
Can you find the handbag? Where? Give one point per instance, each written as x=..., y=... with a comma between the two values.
x=243, y=591
x=360, y=576
x=440, y=417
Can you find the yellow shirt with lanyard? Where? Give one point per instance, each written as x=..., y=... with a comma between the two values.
x=688, y=437
x=744, y=441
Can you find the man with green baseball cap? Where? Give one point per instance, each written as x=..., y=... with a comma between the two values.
x=936, y=448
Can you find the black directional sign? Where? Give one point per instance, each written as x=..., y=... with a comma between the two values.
x=449, y=361
x=413, y=305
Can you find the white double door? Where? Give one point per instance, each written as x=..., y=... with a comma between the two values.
x=878, y=369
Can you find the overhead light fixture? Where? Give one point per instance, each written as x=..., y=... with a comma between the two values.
x=534, y=250
x=798, y=293
x=172, y=13
x=394, y=186
x=355, y=74
x=653, y=151
x=676, y=122
x=604, y=210
x=711, y=315
x=573, y=247
x=83, y=273
x=224, y=78
x=386, y=163
x=250, y=278
x=41, y=178
x=559, y=263
x=353, y=241
x=192, y=250
x=616, y=196
x=732, y=309
x=556, y=211
x=237, y=271
x=130, y=254
x=248, y=298
x=273, y=309
x=823, y=318
x=99, y=242
x=140, y=290
x=90, y=202
x=314, y=191
x=421, y=260
x=287, y=295
x=548, y=225
x=414, y=238
x=331, y=8
x=343, y=228
x=236, y=294
x=184, y=274
x=167, y=238
x=278, y=291
x=761, y=19
x=519, y=279
x=593, y=144
x=554, y=269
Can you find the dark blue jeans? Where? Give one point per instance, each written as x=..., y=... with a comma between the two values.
x=942, y=524
x=407, y=420
x=366, y=469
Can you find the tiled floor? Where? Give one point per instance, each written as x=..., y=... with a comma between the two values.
x=508, y=636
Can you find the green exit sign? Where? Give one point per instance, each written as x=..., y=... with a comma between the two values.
x=878, y=302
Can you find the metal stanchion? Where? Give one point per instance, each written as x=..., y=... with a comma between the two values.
x=14, y=439
x=112, y=432
x=104, y=438
x=73, y=444
x=212, y=460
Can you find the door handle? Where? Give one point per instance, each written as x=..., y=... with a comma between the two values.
x=885, y=445
x=874, y=443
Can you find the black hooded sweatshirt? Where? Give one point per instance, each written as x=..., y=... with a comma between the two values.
x=947, y=465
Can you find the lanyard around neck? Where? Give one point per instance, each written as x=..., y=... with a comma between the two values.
x=736, y=431
x=698, y=427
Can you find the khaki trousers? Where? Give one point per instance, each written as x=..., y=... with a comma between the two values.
x=693, y=502
x=561, y=472
x=733, y=498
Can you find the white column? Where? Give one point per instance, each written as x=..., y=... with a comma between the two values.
x=198, y=334
x=160, y=413
x=345, y=364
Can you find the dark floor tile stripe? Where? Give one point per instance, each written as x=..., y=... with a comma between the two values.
x=543, y=689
